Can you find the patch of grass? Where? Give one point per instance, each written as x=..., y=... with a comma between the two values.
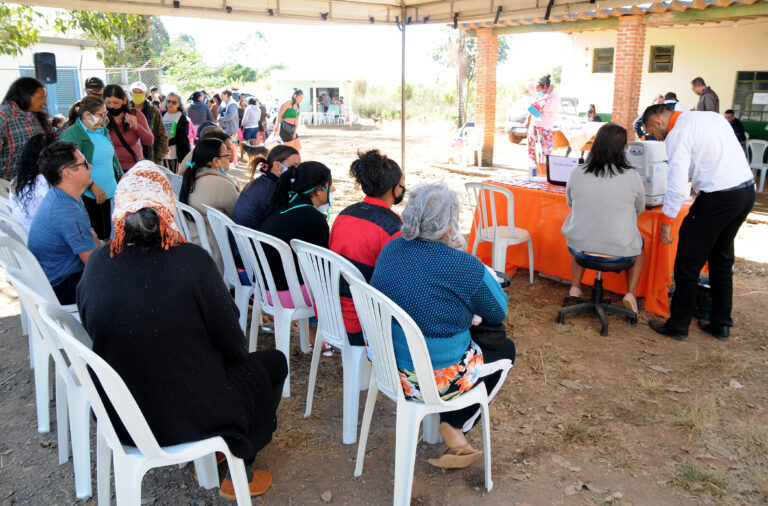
x=692, y=478
x=582, y=434
x=617, y=453
x=698, y=416
x=723, y=364
x=756, y=474
x=651, y=385
x=754, y=436
x=629, y=416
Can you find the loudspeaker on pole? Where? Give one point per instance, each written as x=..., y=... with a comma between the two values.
x=45, y=67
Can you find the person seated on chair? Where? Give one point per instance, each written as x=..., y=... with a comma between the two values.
x=61, y=237
x=300, y=209
x=361, y=230
x=196, y=378
x=206, y=182
x=430, y=276
x=29, y=187
x=606, y=195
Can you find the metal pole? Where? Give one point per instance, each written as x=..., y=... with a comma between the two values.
x=123, y=71
x=402, y=95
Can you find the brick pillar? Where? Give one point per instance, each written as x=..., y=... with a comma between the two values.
x=628, y=71
x=485, y=92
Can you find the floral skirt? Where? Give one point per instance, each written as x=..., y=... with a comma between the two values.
x=451, y=381
x=539, y=144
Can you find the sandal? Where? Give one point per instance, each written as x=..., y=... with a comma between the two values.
x=456, y=459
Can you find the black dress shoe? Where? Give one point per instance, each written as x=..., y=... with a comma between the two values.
x=721, y=332
x=660, y=326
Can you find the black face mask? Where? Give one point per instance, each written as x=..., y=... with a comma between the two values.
x=399, y=199
x=115, y=112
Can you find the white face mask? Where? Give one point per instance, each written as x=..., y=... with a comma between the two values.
x=96, y=124
x=326, y=208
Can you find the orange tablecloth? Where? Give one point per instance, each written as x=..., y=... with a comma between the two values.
x=540, y=209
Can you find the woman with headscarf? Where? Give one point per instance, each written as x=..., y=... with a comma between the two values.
x=234, y=393
x=22, y=116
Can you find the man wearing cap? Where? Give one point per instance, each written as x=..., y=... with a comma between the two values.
x=94, y=86
x=701, y=146
x=157, y=151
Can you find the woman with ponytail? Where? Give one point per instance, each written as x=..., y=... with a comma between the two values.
x=256, y=197
x=362, y=230
x=206, y=182
x=299, y=209
x=88, y=129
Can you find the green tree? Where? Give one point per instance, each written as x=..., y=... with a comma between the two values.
x=18, y=28
x=458, y=52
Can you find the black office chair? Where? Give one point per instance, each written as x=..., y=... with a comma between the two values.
x=597, y=304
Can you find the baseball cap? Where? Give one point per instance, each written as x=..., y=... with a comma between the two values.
x=139, y=85
x=94, y=84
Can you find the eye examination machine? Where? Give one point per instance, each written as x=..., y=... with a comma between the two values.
x=650, y=160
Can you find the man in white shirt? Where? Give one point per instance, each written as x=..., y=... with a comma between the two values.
x=701, y=146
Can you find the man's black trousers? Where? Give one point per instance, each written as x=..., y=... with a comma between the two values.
x=707, y=235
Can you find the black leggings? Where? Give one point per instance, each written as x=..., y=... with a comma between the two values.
x=466, y=418
x=100, y=215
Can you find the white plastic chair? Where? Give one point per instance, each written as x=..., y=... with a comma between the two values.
x=755, y=154
x=131, y=463
x=321, y=269
x=199, y=234
x=251, y=243
x=72, y=409
x=13, y=228
x=221, y=224
x=488, y=230
x=14, y=255
x=377, y=312
x=174, y=179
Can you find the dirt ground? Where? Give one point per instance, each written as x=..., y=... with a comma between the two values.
x=633, y=418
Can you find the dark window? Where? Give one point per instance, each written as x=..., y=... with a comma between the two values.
x=602, y=59
x=661, y=58
x=751, y=86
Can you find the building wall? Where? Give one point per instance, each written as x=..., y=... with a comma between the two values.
x=715, y=53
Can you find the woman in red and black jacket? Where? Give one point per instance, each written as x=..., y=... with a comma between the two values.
x=362, y=230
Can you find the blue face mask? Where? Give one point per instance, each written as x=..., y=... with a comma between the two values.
x=540, y=94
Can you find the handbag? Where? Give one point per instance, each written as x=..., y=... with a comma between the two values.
x=288, y=128
x=273, y=140
x=490, y=337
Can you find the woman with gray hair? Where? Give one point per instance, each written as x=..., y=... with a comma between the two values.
x=445, y=290
x=177, y=127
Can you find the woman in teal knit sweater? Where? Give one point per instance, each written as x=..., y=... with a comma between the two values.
x=444, y=289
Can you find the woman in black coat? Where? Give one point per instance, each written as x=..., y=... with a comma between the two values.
x=176, y=126
x=178, y=345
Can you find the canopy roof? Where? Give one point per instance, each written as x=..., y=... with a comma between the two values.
x=467, y=13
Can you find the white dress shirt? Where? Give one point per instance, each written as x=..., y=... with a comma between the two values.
x=701, y=147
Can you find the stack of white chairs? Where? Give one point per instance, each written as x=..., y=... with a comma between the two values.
x=377, y=312
x=132, y=462
x=221, y=225
x=72, y=409
x=321, y=269
x=251, y=245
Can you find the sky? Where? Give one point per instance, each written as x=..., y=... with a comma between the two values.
x=359, y=51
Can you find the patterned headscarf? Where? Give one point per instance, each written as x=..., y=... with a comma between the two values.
x=145, y=186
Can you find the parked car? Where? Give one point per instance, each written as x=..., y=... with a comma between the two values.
x=577, y=130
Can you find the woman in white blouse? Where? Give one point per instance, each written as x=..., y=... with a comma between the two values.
x=29, y=187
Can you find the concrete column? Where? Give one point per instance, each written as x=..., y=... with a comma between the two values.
x=485, y=92
x=628, y=71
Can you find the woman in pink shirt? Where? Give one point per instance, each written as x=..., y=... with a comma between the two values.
x=128, y=128
x=542, y=123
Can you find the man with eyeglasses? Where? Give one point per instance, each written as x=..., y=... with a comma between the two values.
x=60, y=236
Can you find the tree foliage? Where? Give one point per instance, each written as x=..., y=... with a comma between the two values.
x=145, y=36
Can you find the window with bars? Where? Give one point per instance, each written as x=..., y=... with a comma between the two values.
x=602, y=60
x=661, y=59
x=750, y=95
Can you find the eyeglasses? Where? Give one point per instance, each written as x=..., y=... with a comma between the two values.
x=172, y=102
x=223, y=156
x=77, y=165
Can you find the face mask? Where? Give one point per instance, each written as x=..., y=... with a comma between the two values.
x=138, y=98
x=116, y=111
x=96, y=124
x=540, y=94
x=326, y=208
x=399, y=199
